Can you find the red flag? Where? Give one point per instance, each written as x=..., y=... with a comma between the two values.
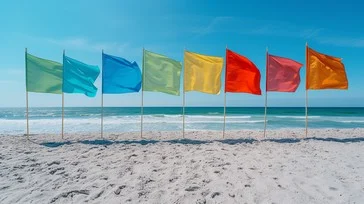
x=283, y=74
x=241, y=74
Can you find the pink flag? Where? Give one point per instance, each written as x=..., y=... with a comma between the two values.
x=283, y=74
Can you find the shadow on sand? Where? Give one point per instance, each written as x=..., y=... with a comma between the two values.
x=199, y=142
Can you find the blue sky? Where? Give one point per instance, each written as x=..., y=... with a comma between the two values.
x=83, y=28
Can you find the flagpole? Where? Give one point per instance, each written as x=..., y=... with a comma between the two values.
x=184, y=98
x=62, y=114
x=184, y=94
x=266, y=93
x=306, y=113
x=63, y=98
x=223, y=130
x=306, y=104
x=102, y=96
x=27, y=116
x=142, y=108
x=26, y=90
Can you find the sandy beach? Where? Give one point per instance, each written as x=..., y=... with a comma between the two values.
x=286, y=167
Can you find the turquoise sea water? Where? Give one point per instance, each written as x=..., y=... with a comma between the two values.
x=48, y=120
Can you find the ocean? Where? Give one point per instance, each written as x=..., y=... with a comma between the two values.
x=127, y=119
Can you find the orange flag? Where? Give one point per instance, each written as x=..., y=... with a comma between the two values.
x=283, y=74
x=241, y=74
x=324, y=71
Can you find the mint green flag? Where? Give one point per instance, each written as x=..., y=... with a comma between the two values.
x=43, y=76
x=161, y=74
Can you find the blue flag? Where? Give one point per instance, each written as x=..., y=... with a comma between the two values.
x=119, y=75
x=79, y=77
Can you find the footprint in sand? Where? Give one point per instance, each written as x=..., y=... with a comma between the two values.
x=192, y=188
x=118, y=190
x=54, y=163
x=215, y=194
x=205, y=193
x=333, y=188
x=55, y=170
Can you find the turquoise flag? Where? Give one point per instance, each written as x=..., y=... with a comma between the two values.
x=79, y=77
x=119, y=75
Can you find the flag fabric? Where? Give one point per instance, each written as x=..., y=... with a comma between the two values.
x=119, y=75
x=79, y=77
x=161, y=74
x=324, y=71
x=283, y=74
x=42, y=75
x=241, y=74
x=202, y=73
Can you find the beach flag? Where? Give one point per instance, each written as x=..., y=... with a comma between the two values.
x=283, y=74
x=119, y=75
x=202, y=73
x=324, y=71
x=79, y=77
x=161, y=74
x=241, y=74
x=42, y=75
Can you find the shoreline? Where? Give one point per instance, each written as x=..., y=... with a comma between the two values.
x=208, y=135
x=88, y=120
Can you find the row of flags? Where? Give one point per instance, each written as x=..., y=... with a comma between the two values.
x=46, y=76
x=202, y=73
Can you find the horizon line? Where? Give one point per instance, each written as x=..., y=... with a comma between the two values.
x=186, y=107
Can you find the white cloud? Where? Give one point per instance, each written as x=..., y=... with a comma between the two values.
x=227, y=24
x=125, y=49
x=83, y=43
x=213, y=25
x=342, y=41
x=287, y=32
x=87, y=45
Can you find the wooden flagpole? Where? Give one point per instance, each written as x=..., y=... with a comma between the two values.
x=306, y=103
x=62, y=114
x=266, y=93
x=183, y=114
x=63, y=100
x=26, y=90
x=102, y=96
x=184, y=95
x=142, y=108
x=223, y=130
x=306, y=113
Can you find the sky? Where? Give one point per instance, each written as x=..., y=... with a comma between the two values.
x=83, y=28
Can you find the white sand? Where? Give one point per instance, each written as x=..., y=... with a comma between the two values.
x=123, y=169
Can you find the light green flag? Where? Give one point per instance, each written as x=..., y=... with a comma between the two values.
x=43, y=76
x=161, y=74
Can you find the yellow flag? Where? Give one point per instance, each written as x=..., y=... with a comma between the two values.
x=202, y=73
x=324, y=71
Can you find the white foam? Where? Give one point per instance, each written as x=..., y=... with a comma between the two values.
x=297, y=117
x=218, y=117
x=351, y=121
x=213, y=113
